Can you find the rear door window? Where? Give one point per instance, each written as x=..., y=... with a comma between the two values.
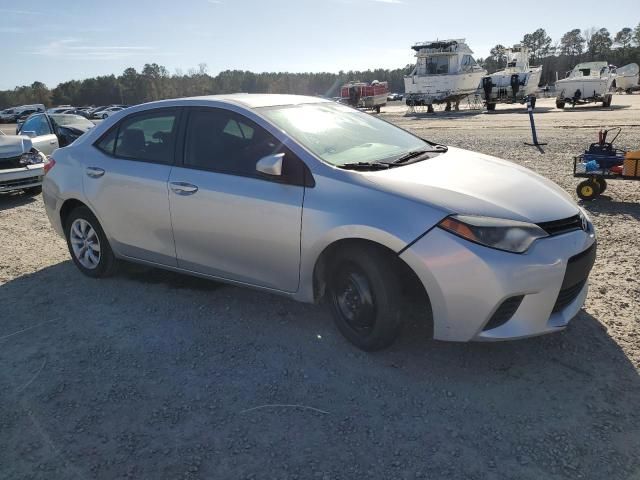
x=149, y=137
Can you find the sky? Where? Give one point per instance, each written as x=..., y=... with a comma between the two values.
x=55, y=41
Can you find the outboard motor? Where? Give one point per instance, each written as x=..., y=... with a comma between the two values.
x=515, y=85
x=487, y=86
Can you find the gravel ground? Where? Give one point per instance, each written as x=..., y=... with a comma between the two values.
x=153, y=375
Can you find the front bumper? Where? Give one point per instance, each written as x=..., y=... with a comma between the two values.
x=19, y=178
x=467, y=283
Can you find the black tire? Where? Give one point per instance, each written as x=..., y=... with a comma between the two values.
x=377, y=108
x=607, y=100
x=559, y=104
x=588, y=190
x=491, y=107
x=533, y=103
x=602, y=184
x=107, y=262
x=364, y=294
x=33, y=191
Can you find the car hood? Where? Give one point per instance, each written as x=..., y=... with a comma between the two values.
x=465, y=182
x=14, y=145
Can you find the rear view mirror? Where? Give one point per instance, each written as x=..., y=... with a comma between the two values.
x=271, y=164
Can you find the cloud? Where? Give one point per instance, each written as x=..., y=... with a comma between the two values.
x=75, y=49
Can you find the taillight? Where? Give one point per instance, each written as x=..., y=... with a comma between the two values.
x=49, y=164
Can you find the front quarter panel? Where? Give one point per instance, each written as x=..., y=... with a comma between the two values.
x=344, y=206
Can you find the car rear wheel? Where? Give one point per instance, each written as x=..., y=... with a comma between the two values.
x=364, y=293
x=88, y=245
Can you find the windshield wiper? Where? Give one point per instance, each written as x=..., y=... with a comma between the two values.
x=417, y=153
x=365, y=166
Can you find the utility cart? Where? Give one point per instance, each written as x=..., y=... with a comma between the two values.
x=602, y=162
x=367, y=96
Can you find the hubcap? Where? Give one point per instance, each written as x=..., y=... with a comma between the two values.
x=85, y=243
x=587, y=190
x=354, y=300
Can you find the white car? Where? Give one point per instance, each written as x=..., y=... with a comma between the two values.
x=107, y=112
x=21, y=165
x=314, y=200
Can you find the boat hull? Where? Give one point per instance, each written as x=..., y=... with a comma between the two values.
x=584, y=88
x=430, y=89
x=502, y=90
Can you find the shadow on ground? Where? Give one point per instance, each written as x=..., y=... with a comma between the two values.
x=157, y=375
x=13, y=200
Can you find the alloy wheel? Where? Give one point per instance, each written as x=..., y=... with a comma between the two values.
x=85, y=243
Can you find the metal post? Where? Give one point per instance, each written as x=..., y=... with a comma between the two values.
x=533, y=125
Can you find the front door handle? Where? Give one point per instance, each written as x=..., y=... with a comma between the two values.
x=53, y=142
x=183, y=188
x=95, y=172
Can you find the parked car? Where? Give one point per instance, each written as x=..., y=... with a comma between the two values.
x=13, y=115
x=314, y=200
x=394, y=96
x=21, y=165
x=50, y=131
x=93, y=113
x=107, y=112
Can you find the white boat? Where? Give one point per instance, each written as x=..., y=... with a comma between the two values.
x=516, y=83
x=445, y=72
x=628, y=77
x=586, y=83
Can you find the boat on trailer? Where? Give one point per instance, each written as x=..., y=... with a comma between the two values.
x=445, y=72
x=517, y=83
x=627, y=78
x=588, y=82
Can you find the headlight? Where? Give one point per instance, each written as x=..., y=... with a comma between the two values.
x=32, y=157
x=507, y=235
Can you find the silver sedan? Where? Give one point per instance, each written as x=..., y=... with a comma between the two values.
x=307, y=198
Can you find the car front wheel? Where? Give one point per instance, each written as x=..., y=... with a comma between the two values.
x=88, y=245
x=364, y=294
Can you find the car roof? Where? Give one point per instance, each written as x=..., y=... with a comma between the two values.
x=256, y=100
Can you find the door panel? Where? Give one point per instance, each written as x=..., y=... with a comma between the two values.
x=239, y=228
x=125, y=180
x=45, y=143
x=132, y=203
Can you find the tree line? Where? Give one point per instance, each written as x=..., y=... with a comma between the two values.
x=155, y=82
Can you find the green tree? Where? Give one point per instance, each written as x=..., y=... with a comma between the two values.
x=572, y=43
x=538, y=43
x=600, y=44
x=624, y=38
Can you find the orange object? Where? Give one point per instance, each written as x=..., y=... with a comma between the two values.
x=631, y=164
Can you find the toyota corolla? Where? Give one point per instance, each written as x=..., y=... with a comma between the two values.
x=307, y=198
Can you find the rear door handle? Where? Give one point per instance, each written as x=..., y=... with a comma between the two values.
x=95, y=172
x=53, y=142
x=183, y=188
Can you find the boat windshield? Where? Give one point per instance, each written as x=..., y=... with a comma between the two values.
x=433, y=65
x=342, y=135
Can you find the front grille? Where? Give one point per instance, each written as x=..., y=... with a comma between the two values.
x=558, y=227
x=504, y=312
x=568, y=295
x=578, y=269
x=7, y=163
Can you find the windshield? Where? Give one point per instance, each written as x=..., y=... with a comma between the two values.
x=75, y=120
x=341, y=135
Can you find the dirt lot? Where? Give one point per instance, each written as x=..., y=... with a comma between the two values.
x=155, y=375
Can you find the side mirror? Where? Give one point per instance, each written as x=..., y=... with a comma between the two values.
x=271, y=164
x=29, y=133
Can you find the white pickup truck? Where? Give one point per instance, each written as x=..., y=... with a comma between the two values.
x=21, y=165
